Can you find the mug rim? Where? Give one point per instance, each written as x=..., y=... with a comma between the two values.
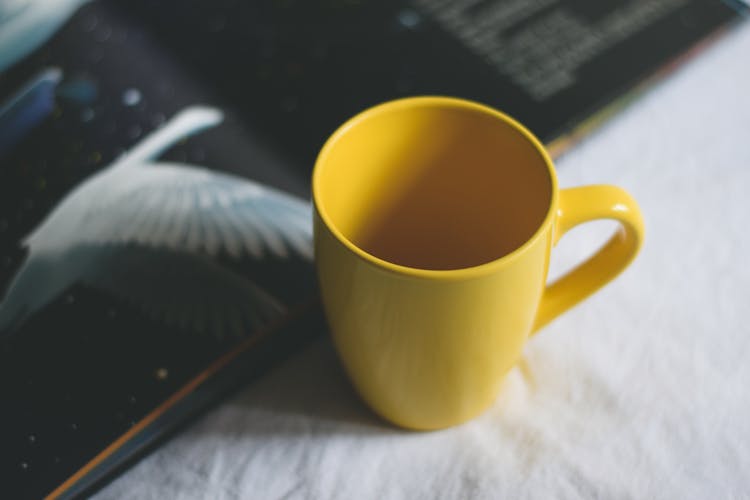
x=443, y=101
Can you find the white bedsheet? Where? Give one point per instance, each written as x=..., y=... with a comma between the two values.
x=641, y=392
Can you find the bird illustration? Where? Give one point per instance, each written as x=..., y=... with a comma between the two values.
x=27, y=24
x=146, y=231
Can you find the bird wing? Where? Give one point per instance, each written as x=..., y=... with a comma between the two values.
x=27, y=24
x=190, y=292
x=10, y=9
x=187, y=208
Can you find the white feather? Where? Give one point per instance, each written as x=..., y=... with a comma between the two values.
x=177, y=206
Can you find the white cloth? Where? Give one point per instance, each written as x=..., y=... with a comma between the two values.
x=640, y=392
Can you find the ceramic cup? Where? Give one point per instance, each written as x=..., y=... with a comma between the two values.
x=434, y=220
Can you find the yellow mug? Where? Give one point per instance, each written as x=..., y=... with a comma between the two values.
x=434, y=221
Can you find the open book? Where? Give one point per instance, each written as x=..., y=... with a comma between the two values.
x=155, y=230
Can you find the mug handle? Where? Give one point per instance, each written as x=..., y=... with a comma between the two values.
x=583, y=204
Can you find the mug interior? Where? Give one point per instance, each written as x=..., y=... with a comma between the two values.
x=434, y=184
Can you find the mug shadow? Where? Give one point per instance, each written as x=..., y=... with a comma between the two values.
x=310, y=394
